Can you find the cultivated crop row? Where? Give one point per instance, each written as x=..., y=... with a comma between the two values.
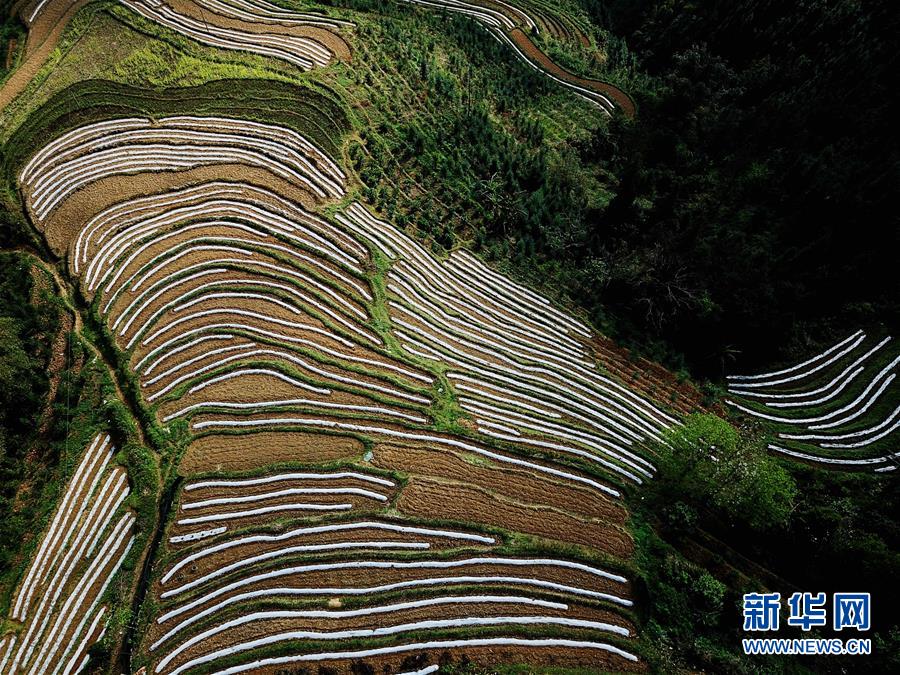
x=233, y=598
x=299, y=49
x=211, y=507
x=58, y=603
x=194, y=282
x=839, y=408
x=229, y=296
x=245, y=311
x=135, y=145
x=518, y=364
x=260, y=11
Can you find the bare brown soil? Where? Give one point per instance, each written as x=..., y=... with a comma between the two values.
x=253, y=389
x=185, y=355
x=258, y=306
x=360, y=503
x=501, y=466
x=245, y=452
x=246, y=275
x=485, y=657
x=327, y=38
x=506, y=482
x=370, y=577
x=215, y=492
x=430, y=499
x=362, y=506
x=261, y=629
x=178, y=238
x=647, y=378
x=205, y=565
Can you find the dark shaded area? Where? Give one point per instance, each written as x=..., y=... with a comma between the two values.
x=752, y=209
x=770, y=156
x=26, y=328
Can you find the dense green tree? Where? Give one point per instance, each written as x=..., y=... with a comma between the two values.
x=708, y=463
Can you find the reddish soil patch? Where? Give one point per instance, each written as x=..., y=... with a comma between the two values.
x=647, y=378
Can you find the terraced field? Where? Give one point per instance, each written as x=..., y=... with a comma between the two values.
x=388, y=456
x=282, y=333
x=60, y=601
x=304, y=40
x=512, y=23
x=840, y=408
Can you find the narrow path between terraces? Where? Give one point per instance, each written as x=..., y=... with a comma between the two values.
x=66, y=292
x=142, y=583
x=623, y=100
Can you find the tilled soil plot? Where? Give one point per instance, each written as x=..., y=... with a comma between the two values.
x=253, y=586
x=414, y=655
x=248, y=451
x=510, y=483
x=263, y=628
x=241, y=245
x=540, y=657
x=246, y=514
x=329, y=39
x=252, y=388
x=430, y=499
x=240, y=547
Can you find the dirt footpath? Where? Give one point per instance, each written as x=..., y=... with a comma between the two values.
x=43, y=36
